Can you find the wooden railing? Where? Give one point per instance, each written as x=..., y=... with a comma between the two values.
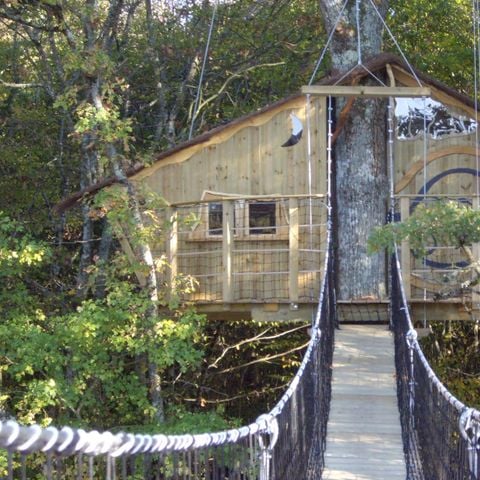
x=272, y=252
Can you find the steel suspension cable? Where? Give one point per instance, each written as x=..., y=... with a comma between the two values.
x=309, y=185
x=425, y=150
x=476, y=73
x=202, y=72
x=329, y=40
x=390, y=33
x=359, y=36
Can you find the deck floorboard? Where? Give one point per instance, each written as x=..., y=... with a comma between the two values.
x=364, y=438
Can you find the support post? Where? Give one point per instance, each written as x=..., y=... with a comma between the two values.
x=476, y=254
x=405, y=259
x=227, y=247
x=293, y=256
x=173, y=247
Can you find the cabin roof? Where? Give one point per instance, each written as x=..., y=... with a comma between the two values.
x=374, y=64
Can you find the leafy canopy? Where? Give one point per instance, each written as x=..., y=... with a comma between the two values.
x=441, y=223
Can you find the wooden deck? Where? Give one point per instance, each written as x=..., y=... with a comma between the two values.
x=364, y=439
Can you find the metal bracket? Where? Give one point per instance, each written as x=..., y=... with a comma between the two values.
x=266, y=446
x=469, y=427
x=411, y=337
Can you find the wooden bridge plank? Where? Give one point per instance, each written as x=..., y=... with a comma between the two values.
x=364, y=438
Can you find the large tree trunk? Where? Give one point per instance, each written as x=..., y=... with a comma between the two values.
x=360, y=156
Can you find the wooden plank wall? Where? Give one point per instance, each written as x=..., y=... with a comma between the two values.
x=250, y=161
x=410, y=153
x=450, y=169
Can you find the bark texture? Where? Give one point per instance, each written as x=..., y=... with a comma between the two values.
x=360, y=156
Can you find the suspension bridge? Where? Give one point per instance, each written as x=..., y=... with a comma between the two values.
x=364, y=405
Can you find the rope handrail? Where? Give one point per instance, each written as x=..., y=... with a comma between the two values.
x=68, y=441
x=454, y=401
x=28, y=439
x=441, y=434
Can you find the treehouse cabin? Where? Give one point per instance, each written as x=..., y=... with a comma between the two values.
x=249, y=215
x=248, y=199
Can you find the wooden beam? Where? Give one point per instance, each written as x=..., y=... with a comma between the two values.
x=438, y=311
x=227, y=247
x=476, y=254
x=173, y=247
x=293, y=257
x=405, y=258
x=365, y=91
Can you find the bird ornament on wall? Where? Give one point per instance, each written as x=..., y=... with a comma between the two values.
x=297, y=130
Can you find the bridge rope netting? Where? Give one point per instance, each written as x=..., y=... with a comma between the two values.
x=441, y=435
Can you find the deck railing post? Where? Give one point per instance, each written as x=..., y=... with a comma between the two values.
x=406, y=259
x=476, y=254
x=227, y=248
x=293, y=256
x=173, y=247
x=470, y=431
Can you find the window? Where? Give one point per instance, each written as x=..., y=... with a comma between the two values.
x=215, y=214
x=252, y=218
x=262, y=218
x=215, y=218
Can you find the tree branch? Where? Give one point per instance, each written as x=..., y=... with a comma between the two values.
x=20, y=85
x=255, y=393
x=230, y=80
x=15, y=16
x=256, y=338
x=263, y=359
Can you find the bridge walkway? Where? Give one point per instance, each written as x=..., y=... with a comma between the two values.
x=364, y=440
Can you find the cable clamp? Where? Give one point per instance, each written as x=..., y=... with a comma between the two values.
x=266, y=441
x=411, y=337
x=271, y=431
x=469, y=427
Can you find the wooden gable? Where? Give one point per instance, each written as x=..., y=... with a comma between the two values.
x=247, y=157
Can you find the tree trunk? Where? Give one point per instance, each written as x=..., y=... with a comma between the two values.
x=103, y=255
x=360, y=156
x=146, y=257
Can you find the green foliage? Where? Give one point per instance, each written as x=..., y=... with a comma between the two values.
x=436, y=38
x=17, y=249
x=453, y=351
x=29, y=167
x=443, y=223
x=115, y=203
x=84, y=366
x=182, y=421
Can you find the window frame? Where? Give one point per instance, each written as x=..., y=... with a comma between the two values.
x=249, y=227
x=241, y=228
